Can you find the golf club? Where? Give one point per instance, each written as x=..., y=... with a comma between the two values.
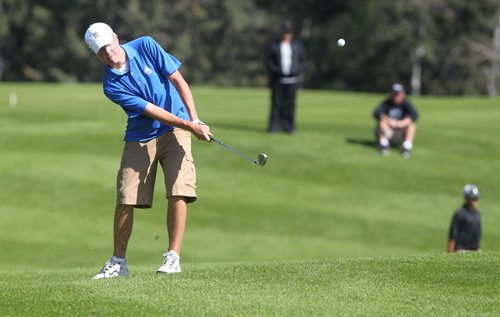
x=261, y=159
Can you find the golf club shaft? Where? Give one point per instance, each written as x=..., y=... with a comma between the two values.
x=235, y=151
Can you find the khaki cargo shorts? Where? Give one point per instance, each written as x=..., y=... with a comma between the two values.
x=137, y=174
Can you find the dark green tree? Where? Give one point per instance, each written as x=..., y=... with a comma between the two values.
x=432, y=46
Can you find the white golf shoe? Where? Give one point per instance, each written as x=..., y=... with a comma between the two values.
x=112, y=268
x=171, y=263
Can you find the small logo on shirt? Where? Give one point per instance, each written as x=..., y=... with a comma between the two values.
x=148, y=71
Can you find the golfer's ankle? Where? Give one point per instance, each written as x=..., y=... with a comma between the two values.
x=408, y=145
x=118, y=259
x=384, y=142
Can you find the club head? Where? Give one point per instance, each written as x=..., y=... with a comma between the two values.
x=262, y=159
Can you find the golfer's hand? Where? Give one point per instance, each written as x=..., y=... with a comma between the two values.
x=198, y=121
x=393, y=123
x=201, y=131
x=401, y=124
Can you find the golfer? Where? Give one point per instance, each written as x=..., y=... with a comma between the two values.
x=145, y=81
x=465, y=229
x=396, y=122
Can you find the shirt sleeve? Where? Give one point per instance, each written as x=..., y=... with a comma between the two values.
x=412, y=112
x=453, y=235
x=272, y=61
x=131, y=103
x=166, y=63
x=480, y=231
x=377, y=113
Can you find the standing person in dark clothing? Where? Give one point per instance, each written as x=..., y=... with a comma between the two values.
x=396, y=122
x=285, y=61
x=465, y=229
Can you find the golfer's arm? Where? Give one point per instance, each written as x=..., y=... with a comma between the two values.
x=451, y=246
x=166, y=117
x=406, y=121
x=184, y=91
x=201, y=132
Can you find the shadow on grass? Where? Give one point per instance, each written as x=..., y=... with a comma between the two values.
x=363, y=142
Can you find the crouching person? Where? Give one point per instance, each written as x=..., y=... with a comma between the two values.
x=396, y=122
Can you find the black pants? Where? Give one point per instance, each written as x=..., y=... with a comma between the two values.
x=282, y=115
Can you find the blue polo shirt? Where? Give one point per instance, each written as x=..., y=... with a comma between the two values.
x=146, y=81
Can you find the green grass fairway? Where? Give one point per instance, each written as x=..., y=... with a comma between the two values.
x=423, y=285
x=327, y=227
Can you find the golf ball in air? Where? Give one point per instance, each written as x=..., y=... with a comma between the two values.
x=340, y=42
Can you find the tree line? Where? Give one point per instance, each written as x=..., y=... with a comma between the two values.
x=441, y=47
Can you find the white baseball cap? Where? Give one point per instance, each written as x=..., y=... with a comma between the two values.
x=98, y=35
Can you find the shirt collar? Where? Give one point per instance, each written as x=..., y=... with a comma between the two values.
x=469, y=209
x=131, y=54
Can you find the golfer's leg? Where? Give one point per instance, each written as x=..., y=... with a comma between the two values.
x=285, y=107
x=274, y=112
x=410, y=132
x=292, y=94
x=282, y=106
x=384, y=129
x=124, y=220
x=176, y=222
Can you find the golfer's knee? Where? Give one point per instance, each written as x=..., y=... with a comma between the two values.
x=411, y=127
x=124, y=209
x=383, y=127
x=176, y=199
x=383, y=124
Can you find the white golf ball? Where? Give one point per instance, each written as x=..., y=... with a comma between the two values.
x=340, y=42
